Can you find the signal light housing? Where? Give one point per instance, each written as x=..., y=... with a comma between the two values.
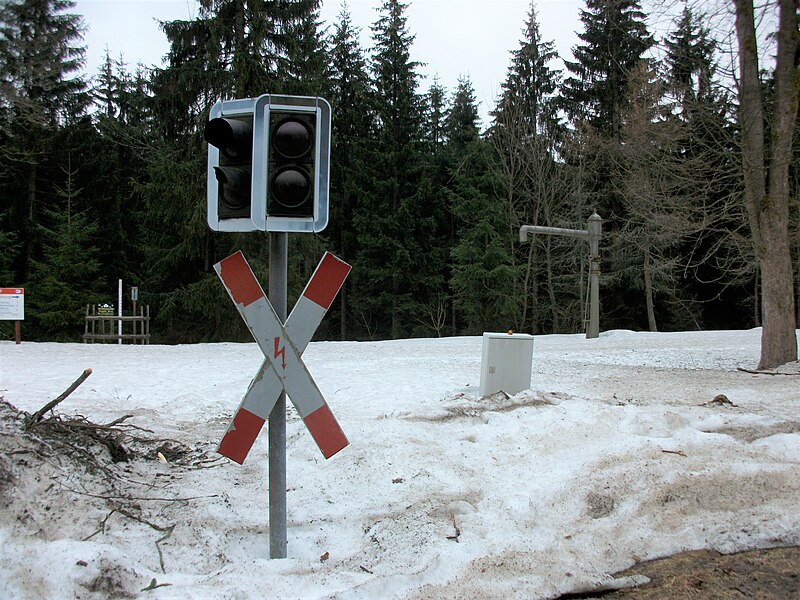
x=274, y=176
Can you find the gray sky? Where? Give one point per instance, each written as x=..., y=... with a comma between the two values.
x=453, y=37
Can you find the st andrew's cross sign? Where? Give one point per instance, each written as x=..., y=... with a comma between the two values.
x=282, y=345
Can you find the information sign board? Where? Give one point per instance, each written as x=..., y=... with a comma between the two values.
x=12, y=304
x=105, y=310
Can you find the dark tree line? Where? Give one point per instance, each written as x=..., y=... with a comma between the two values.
x=104, y=178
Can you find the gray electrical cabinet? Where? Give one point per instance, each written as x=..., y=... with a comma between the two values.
x=506, y=363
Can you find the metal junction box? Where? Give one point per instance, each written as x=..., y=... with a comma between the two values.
x=506, y=363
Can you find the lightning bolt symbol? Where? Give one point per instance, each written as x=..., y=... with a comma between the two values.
x=280, y=352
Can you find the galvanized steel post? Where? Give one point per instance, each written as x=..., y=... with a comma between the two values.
x=278, y=275
x=595, y=228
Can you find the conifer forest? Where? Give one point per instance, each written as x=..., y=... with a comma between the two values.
x=103, y=176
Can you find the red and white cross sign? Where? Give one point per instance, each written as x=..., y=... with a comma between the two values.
x=282, y=345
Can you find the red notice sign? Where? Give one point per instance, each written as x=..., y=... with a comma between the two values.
x=12, y=304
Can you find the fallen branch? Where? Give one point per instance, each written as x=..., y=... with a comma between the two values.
x=102, y=528
x=138, y=498
x=458, y=531
x=118, y=421
x=166, y=530
x=79, y=435
x=678, y=452
x=37, y=416
x=754, y=372
x=611, y=584
x=167, y=534
x=153, y=585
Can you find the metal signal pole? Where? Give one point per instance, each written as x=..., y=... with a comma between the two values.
x=278, y=275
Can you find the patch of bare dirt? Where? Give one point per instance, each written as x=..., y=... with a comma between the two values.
x=765, y=574
x=751, y=434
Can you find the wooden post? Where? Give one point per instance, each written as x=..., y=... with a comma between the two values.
x=17, y=328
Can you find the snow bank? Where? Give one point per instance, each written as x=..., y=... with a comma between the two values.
x=614, y=456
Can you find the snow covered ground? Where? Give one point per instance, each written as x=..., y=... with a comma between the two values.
x=614, y=456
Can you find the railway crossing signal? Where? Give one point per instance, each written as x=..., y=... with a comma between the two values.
x=268, y=170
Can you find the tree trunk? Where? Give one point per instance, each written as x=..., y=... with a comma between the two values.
x=767, y=197
x=241, y=49
x=550, y=287
x=534, y=290
x=31, y=221
x=757, y=300
x=797, y=267
x=343, y=313
x=778, y=335
x=648, y=292
x=525, y=286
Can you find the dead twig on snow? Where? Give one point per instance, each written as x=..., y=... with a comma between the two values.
x=153, y=585
x=166, y=530
x=678, y=452
x=37, y=416
x=753, y=372
x=455, y=526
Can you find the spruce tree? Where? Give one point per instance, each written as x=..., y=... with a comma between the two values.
x=106, y=92
x=434, y=133
x=304, y=69
x=723, y=264
x=234, y=49
x=525, y=134
x=529, y=93
x=462, y=123
x=66, y=278
x=596, y=95
x=40, y=91
x=434, y=306
x=8, y=240
x=615, y=39
x=39, y=60
x=353, y=125
x=481, y=271
x=115, y=154
x=393, y=230
x=690, y=59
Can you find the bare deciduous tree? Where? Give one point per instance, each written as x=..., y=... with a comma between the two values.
x=766, y=172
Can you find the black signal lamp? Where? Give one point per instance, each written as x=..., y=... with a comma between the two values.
x=233, y=136
x=291, y=167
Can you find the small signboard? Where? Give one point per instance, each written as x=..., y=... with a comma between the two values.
x=12, y=304
x=105, y=310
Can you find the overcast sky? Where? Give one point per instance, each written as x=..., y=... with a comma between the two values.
x=453, y=37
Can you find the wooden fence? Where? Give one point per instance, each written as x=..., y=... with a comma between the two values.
x=104, y=328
